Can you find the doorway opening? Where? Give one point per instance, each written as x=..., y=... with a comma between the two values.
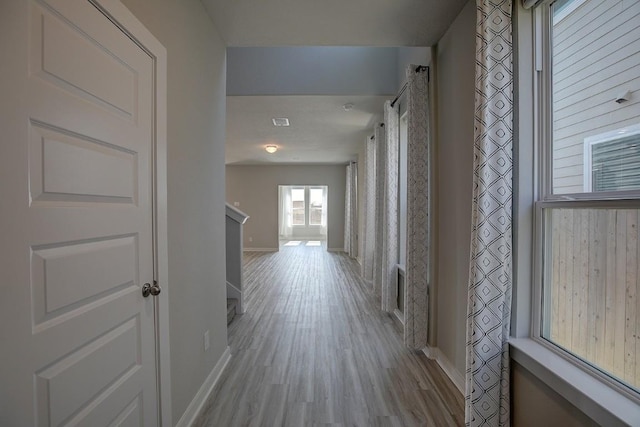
x=302, y=215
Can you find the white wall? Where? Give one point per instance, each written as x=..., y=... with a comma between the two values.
x=455, y=100
x=196, y=208
x=255, y=187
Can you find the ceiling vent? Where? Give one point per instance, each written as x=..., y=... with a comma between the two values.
x=281, y=121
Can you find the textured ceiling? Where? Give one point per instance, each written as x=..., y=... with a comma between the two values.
x=321, y=130
x=332, y=22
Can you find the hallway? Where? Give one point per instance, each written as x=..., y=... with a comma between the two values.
x=314, y=348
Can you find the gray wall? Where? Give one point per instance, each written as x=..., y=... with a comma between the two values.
x=196, y=208
x=410, y=55
x=315, y=70
x=455, y=100
x=256, y=189
x=536, y=404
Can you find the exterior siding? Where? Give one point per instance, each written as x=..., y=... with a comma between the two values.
x=596, y=57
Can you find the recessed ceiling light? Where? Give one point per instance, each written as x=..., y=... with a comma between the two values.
x=280, y=121
x=271, y=148
x=348, y=106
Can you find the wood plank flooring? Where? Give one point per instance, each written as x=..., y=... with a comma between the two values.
x=315, y=349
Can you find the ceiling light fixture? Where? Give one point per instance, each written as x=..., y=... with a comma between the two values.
x=348, y=106
x=280, y=121
x=271, y=148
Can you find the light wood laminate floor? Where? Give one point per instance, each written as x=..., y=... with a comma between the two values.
x=315, y=349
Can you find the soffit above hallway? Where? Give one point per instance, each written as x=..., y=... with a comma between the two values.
x=332, y=22
x=311, y=87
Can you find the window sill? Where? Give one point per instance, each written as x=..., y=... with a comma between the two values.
x=603, y=404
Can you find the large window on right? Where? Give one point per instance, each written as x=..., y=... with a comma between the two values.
x=588, y=212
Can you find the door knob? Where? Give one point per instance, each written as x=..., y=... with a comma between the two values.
x=149, y=289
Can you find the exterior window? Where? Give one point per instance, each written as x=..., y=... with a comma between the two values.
x=588, y=211
x=297, y=206
x=564, y=8
x=316, y=197
x=612, y=159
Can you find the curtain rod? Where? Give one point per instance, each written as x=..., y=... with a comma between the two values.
x=419, y=68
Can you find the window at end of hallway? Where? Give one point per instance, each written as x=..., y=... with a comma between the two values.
x=298, y=206
x=316, y=197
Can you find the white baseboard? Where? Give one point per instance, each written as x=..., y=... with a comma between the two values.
x=456, y=377
x=400, y=316
x=194, y=408
x=335, y=249
x=260, y=249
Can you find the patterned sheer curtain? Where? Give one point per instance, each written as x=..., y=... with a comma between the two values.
x=378, y=261
x=286, y=215
x=389, y=258
x=490, y=278
x=325, y=199
x=418, y=208
x=351, y=211
x=369, y=214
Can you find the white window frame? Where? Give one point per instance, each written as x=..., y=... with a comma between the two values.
x=598, y=396
x=306, y=203
x=323, y=213
x=568, y=10
x=547, y=200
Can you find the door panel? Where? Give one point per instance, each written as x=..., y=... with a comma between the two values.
x=71, y=382
x=79, y=244
x=68, y=276
x=106, y=173
x=99, y=74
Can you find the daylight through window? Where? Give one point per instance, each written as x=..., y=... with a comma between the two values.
x=589, y=211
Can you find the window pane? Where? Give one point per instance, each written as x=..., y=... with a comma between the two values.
x=561, y=5
x=615, y=164
x=315, y=206
x=592, y=287
x=297, y=201
x=595, y=59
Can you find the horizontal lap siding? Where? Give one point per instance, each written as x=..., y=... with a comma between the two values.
x=596, y=57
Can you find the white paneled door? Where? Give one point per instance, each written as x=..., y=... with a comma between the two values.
x=77, y=336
